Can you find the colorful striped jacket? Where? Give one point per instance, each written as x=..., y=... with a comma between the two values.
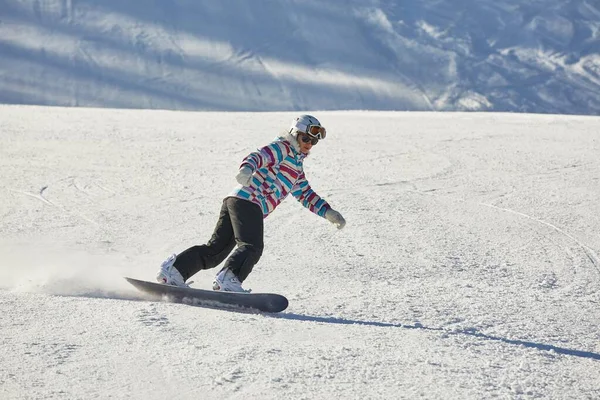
x=278, y=171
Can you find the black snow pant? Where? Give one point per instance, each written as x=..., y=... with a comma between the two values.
x=240, y=222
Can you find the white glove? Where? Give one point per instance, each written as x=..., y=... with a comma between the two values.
x=244, y=177
x=335, y=218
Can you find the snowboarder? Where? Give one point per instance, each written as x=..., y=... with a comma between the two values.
x=265, y=179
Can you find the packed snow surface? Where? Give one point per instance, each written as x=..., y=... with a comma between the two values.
x=468, y=269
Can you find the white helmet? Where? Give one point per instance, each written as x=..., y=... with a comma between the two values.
x=309, y=125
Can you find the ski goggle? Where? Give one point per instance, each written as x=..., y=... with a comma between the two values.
x=316, y=131
x=307, y=139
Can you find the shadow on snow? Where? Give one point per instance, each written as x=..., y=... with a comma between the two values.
x=343, y=321
x=468, y=332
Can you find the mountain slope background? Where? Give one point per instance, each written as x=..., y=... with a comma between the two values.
x=501, y=55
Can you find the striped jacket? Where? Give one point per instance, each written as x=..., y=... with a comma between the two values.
x=278, y=171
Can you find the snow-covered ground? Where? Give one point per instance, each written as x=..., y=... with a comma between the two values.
x=469, y=267
x=538, y=56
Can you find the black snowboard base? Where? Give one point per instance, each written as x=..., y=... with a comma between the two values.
x=265, y=302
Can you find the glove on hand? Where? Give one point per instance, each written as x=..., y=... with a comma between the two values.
x=335, y=218
x=244, y=177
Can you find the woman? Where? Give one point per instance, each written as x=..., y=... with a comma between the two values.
x=265, y=179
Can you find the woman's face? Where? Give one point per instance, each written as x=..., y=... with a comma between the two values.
x=305, y=142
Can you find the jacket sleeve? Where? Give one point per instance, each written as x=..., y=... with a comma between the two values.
x=269, y=155
x=308, y=197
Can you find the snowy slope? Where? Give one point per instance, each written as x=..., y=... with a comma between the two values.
x=469, y=267
x=501, y=55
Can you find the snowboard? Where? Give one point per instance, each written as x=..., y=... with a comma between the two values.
x=265, y=302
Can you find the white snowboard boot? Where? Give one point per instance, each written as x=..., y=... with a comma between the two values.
x=226, y=281
x=169, y=275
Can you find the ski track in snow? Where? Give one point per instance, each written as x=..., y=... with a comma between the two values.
x=41, y=197
x=463, y=272
x=593, y=257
